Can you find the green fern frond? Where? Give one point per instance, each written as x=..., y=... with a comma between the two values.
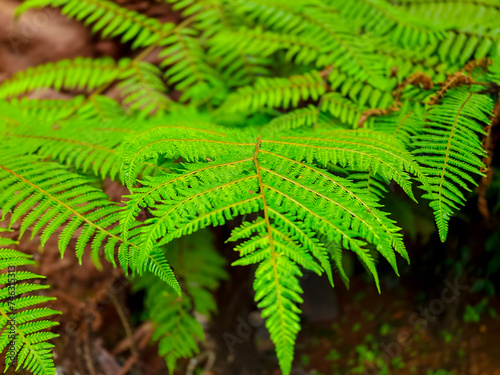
x=97, y=151
x=100, y=107
x=48, y=110
x=285, y=180
x=469, y=44
x=22, y=325
x=291, y=81
x=91, y=143
x=404, y=124
x=494, y=72
x=50, y=197
x=264, y=43
x=143, y=89
x=277, y=288
x=344, y=109
x=369, y=182
x=276, y=93
x=208, y=15
x=299, y=118
x=108, y=18
x=80, y=73
x=383, y=19
x=175, y=325
x=403, y=62
x=188, y=69
x=360, y=92
x=345, y=49
x=450, y=12
x=450, y=150
x=277, y=15
x=205, y=142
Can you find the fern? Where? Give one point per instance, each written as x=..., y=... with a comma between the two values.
x=23, y=326
x=59, y=196
x=302, y=117
x=176, y=327
x=276, y=92
x=67, y=74
x=383, y=19
x=143, y=89
x=285, y=180
x=109, y=18
x=451, y=151
x=190, y=72
x=289, y=119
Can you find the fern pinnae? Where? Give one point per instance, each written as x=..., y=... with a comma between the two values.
x=299, y=118
x=165, y=188
x=276, y=15
x=383, y=19
x=450, y=150
x=190, y=143
x=355, y=151
x=68, y=74
x=176, y=327
x=305, y=236
x=117, y=20
x=281, y=313
x=32, y=350
x=188, y=69
x=368, y=228
x=149, y=241
x=276, y=92
x=343, y=108
x=59, y=202
x=70, y=150
x=143, y=89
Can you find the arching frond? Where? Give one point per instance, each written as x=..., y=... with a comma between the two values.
x=49, y=197
x=276, y=93
x=450, y=149
x=108, y=18
x=79, y=73
x=143, y=89
x=175, y=325
x=286, y=181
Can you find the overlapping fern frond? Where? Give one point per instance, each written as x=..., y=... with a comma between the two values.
x=80, y=73
x=285, y=179
x=143, y=89
x=108, y=18
x=450, y=150
x=174, y=317
x=24, y=338
x=50, y=197
x=276, y=93
x=321, y=115
x=383, y=19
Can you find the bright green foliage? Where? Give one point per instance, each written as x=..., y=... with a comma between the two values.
x=276, y=92
x=176, y=327
x=233, y=174
x=143, y=88
x=451, y=151
x=50, y=196
x=23, y=336
x=292, y=120
x=66, y=74
x=112, y=19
